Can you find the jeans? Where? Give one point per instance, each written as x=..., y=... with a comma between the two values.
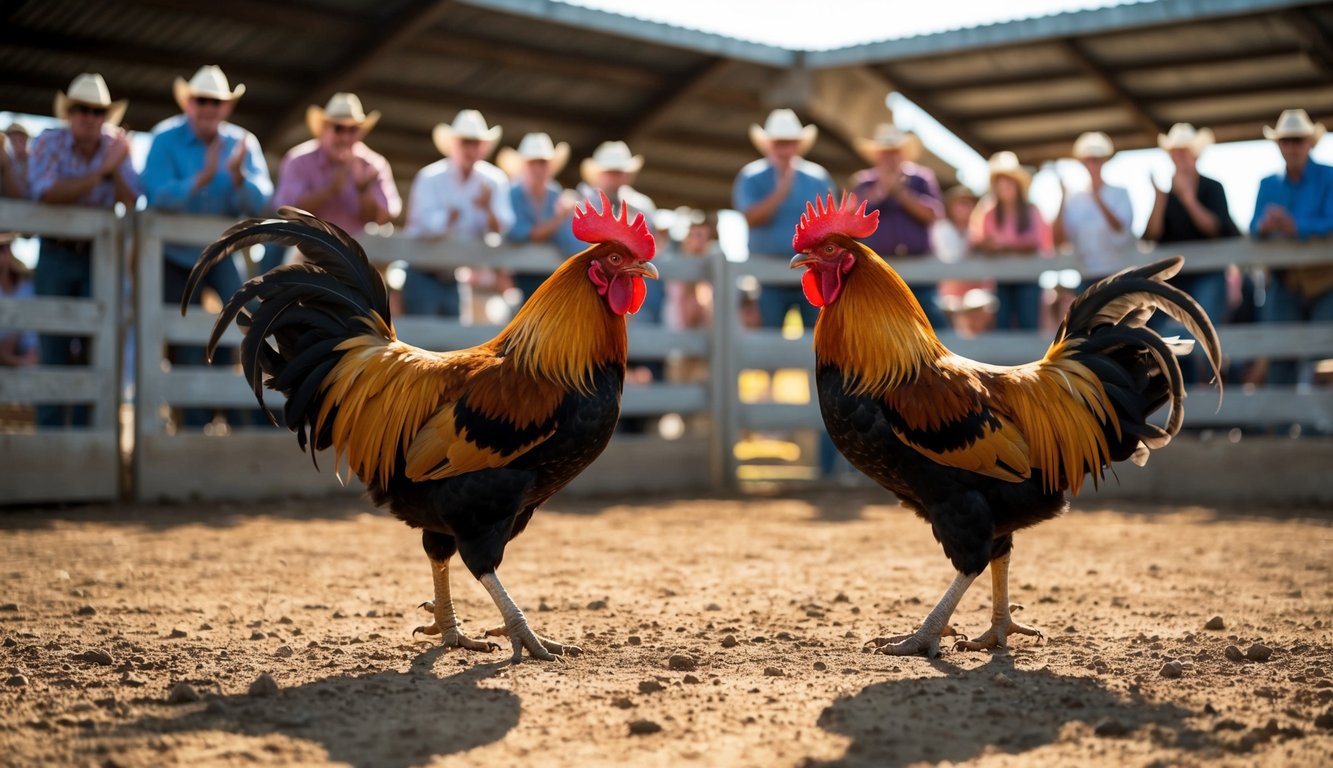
x=1018, y=306
x=1282, y=305
x=426, y=293
x=225, y=280
x=775, y=301
x=63, y=269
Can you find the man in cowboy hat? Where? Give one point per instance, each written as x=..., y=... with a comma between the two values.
x=201, y=163
x=85, y=161
x=1195, y=208
x=907, y=197
x=772, y=192
x=335, y=175
x=1296, y=204
x=461, y=196
x=541, y=207
x=1096, y=220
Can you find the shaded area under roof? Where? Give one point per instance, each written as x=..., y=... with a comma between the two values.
x=682, y=98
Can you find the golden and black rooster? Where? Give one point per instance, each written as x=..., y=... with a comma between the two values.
x=464, y=445
x=980, y=451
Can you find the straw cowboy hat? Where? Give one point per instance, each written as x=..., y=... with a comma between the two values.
x=534, y=146
x=783, y=125
x=1093, y=144
x=1006, y=164
x=1183, y=136
x=958, y=192
x=209, y=82
x=889, y=136
x=90, y=90
x=974, y=298
x=17, y=128
x=610, y=156
x=468, y=124
x=1295, y=123
x=342, y=109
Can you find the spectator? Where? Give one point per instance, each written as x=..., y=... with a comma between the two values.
x=335, y=175
x=689, y=304
x=1006, y=224
x=772, y=193
x=200, y=163
x=1096, y=221
x=1194, y=209
x=85, y=161
x=611, y=171
x=17, y=348
x=969, y=305
x=1296, y=204
x=541, y=207
x=907, y=197
x=463, y=197
x=14, y=162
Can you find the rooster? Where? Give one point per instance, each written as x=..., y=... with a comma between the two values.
x=980, y=451
x=464, y=445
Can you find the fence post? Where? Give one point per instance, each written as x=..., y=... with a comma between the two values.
x=723, y=390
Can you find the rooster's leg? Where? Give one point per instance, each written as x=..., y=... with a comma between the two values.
x=926, y=640
x=516, y=626
x=446, y=621
x=1002, y=623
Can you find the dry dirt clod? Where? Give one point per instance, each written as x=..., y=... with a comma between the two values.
x=1110, y=728
x=86, y=610
x=96, y=656
x=284, y=652
x=1172, y=670
x=650, y=686
x=622, y=702
x=1233, y=653
x=176, y=634
x=774, y=672
x=729, y=641
x=1215, y=623
x=691, y=680
x=1001, y=680
x=183, y=693
x=8, y=607
x=682, y=663
x=820, y=666
x=1259, y=652
x=17, y=681
x=634, y=640
x=643, y=727
x=1324, y=721
x=597, y=605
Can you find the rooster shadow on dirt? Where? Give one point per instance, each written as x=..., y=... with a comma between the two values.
x=388, y=719
x=995, y=708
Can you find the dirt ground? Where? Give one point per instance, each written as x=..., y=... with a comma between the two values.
x=133, y=636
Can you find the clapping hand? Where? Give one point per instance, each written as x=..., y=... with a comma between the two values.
x=236, y=162
x=116, y=152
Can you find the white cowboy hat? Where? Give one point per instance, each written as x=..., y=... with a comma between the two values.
x=1183, y=136
x=889, y=136
x=1006, y=164
x=534, y=146
x=468, y=124
x=783, y=125
x=342, y=109
x=17, y=127
x=974, y=298
x=1295, y=123
x=90, y=90
x=1093, y=144
x=610, y=156
x=208, y=82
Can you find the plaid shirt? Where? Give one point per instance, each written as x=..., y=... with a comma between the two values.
x=52, y=158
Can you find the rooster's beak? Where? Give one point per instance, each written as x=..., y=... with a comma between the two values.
x=802, y=260
x=644, y=269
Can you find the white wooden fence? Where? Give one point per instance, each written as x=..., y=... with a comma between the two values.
x=260, y=462
x=75, y=464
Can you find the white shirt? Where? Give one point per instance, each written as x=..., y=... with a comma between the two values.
x=1101, y=250
x=439, y=189
x=950, y=244
x=637, y=201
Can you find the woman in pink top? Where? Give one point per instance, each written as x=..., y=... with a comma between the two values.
x=1006, y=224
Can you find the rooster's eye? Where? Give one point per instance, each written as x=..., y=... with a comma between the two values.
x=614, y=258
x=828, y=248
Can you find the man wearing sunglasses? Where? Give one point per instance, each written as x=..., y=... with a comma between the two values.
x=201, y=163
x=85, y=161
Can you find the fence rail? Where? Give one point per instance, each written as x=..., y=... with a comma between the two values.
x=257, y=462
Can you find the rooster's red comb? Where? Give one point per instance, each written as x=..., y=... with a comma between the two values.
x=819, y=222
x=590, y=226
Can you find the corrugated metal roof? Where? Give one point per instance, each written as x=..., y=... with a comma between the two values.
x=682, y=97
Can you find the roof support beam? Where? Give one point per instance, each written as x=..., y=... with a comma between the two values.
x=1147, y=122
x=1315, y=41
x=919, y=97
x=390, y=31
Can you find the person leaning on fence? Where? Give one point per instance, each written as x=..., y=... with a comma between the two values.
x=13, y=162
x=771, y=193
x=542, y=209
x=1195, y=208
x=461, y=197
x=84, y=161
x=17, y=348
x=335, y=175
x=201, y=163
x=961, y=300
x=1295, y=204
x=1096, y=221
x=907, y=197
x=1005, y=223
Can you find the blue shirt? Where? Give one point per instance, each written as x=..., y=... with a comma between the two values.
x=176, y=158
x=757, y=181
x=1309, y=202
x=526, y=216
